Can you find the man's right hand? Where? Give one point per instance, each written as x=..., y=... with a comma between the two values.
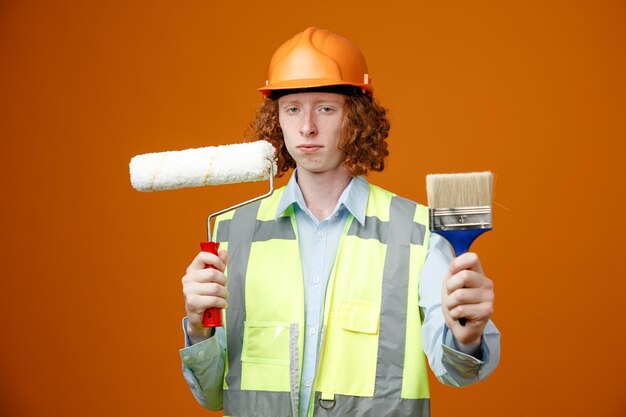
x=204, y=288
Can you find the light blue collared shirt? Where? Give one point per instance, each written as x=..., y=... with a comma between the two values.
x=318, y=246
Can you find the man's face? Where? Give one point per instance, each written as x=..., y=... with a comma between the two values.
x=312, y=128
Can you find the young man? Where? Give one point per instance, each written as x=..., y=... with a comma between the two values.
x=337, y=293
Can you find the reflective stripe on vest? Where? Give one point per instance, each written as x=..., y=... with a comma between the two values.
x=276, y=404
x=262, y=377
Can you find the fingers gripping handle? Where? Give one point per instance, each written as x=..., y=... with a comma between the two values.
x=213, y=316
x=461, y=240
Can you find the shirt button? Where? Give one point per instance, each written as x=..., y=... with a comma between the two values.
x=307, y=383
x=316, y=280
x=321, y=234
x=312, y=330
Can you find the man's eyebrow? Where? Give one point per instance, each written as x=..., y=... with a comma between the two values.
x=333, y=100
x=289, y=102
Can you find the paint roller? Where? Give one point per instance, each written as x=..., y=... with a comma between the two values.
x=212, y=165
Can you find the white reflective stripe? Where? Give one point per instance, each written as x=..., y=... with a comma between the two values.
x=263, y=230
x=418, y=232
x=239, y=242
x=277, y=404
x=374, y=228
x=257, y=403
x=274, y=229
x=347, y=406
x=394, y=300
x=294, y=368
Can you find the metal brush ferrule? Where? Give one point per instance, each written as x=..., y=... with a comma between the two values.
x=476, y=217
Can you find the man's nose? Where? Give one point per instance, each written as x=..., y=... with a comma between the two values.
x=308, y=126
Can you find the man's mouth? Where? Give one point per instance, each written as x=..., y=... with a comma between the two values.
x=309, y=148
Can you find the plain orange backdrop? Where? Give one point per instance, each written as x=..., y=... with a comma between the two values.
x=90, y=305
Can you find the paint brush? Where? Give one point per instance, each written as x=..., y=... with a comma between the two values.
x=460, y=208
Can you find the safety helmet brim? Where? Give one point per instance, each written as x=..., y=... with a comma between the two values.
x=266, y=90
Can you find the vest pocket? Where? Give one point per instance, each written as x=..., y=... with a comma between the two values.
x=266, y=342
x=357, y=316
x=348, y=362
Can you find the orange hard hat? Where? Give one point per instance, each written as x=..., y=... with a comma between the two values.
x=317, y=58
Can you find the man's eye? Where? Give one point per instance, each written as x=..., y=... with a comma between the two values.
x=292, y=109
x=326, y=109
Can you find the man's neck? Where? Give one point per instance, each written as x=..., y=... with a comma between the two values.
x=321, y=191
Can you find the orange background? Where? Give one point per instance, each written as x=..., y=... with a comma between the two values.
x=91, y=304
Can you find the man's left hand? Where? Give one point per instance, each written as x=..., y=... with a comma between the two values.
x=467, y=293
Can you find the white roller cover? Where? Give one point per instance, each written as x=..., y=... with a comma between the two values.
x=213, y=165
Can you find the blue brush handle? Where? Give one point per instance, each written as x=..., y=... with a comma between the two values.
x=461, y=240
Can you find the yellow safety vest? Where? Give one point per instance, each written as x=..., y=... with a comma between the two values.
x=371, y=360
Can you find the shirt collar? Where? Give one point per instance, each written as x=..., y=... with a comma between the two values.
x=353, y=198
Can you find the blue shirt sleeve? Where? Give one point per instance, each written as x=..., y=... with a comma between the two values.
x=203, y=368
x=449, y=364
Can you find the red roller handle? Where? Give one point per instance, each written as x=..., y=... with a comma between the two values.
x=212, y=316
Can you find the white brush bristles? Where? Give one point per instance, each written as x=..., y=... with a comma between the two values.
x=459, y=190
x=213, y=165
